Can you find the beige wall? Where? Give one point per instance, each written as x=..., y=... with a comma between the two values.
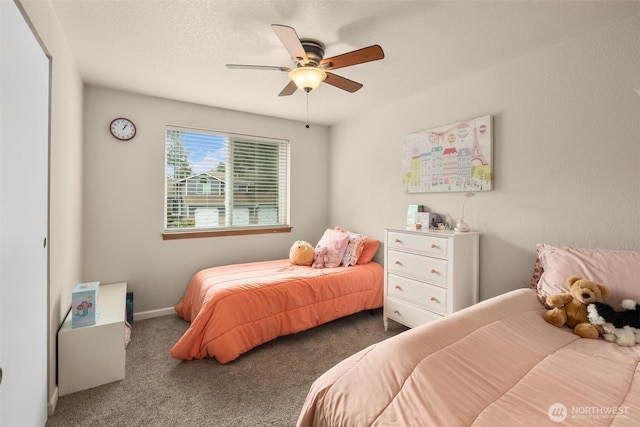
x=566, y=154
x=65, y=173
x=124, y=195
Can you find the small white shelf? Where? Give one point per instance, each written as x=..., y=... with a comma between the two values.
x=94, y=355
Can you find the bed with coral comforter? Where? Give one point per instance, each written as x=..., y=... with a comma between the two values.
x=235, y=308
x=497, y=363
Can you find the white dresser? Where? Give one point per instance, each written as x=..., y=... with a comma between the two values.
x=94, y=355
x=429, y=274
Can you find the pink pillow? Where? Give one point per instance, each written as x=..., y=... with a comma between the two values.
x=336, y=243
x=369, y=249
x=618, y=270
x=354, y=248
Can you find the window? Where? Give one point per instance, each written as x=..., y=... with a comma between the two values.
x=221, y=182
x=204, y=186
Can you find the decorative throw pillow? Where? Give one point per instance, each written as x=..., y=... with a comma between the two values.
x=360, y=250
x=354, y=249
x=537, y=272
x=336, y=243
x=369, y=249
x=618, y=270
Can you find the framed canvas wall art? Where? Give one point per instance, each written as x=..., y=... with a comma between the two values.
x=454, y=157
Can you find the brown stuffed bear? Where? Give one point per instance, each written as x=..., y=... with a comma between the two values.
x=571, y=309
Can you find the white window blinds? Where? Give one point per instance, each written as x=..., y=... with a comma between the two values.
x=217, y=180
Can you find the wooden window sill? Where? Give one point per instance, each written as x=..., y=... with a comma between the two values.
x=221, y=233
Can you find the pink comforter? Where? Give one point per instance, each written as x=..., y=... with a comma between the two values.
x=234, y=308
x=497, y=363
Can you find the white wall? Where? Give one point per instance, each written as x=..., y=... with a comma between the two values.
x=566, y=131
x=566, y=154
x=124, y=195
x=65, y=173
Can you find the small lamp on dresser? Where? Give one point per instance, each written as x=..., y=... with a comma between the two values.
x=461, y=225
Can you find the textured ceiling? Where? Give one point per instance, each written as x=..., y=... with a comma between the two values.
x=178, y=49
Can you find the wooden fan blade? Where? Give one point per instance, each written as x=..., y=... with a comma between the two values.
x=288, y=89
x=257, y=67
x=291, y=42
x=342, y=83
x=360, y=56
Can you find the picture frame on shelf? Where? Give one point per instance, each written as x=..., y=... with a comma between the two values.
x=412, y=214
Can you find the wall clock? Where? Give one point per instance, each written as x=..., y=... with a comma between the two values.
x=122, y=129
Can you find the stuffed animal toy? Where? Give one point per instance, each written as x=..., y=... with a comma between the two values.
x=626, y=336
x=619, y=319
x=320, y=258
x=301, y=253
x=570, y=309
x=621, y=327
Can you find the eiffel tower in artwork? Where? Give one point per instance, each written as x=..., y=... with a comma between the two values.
x=476, y=153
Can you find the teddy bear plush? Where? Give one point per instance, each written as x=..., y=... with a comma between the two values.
x=301, y=253
x=621, y=327
x=570, y=309
x=320, y=258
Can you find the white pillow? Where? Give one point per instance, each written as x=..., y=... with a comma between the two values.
x=618, y=270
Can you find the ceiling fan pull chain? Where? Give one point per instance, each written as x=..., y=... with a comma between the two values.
x=307, y=125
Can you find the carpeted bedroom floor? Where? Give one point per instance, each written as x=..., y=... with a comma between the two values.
x=264, y=387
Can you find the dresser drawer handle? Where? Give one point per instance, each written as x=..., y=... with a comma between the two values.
x=396, y=312
x=398, y=263
x=398, y=287
x=433, y=299
x=434, y=271
x=398, y=241
x=434, y=246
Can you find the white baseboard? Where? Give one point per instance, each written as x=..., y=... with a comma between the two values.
x=53, y=401
x=153, y=313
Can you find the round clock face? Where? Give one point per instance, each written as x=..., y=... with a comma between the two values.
x=123, y=129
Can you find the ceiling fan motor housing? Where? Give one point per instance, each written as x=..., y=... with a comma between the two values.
x=314, y=50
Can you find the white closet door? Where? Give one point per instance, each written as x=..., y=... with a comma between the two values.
x=24, y=153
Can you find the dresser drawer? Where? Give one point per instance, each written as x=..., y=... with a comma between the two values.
x=423, y=243
x=420, y=267
x=407, y=314
x=432, y=297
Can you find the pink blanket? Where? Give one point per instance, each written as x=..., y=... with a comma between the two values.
x=497, y=363
x=234, y=308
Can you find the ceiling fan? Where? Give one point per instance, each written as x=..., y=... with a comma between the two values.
x=311, y=68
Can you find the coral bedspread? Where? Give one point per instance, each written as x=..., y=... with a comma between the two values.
x=497, y=363
x=235, y=308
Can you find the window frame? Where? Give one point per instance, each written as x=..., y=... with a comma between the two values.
x=283, y=185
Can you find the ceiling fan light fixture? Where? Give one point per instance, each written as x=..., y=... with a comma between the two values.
x=307, y=78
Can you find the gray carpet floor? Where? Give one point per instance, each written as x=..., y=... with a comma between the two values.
x=263, y=387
